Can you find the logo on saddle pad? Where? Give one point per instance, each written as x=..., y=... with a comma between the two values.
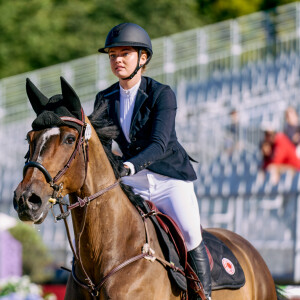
x=228, y=266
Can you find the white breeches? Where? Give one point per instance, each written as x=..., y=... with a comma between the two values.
x=173, y=197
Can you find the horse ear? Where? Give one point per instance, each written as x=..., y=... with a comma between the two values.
x=37, y=99
x=71, y=99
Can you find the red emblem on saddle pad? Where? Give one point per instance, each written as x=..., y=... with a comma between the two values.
x=228, y=266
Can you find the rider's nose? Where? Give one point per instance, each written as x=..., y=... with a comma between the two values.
x=118, y=59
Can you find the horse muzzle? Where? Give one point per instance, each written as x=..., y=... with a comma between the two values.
x=29, y=206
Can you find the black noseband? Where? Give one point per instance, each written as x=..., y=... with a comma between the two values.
x=34, y=164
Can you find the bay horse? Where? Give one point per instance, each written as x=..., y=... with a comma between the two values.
x=70, y=154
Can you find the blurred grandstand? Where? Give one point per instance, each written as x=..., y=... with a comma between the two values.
x=250, y=65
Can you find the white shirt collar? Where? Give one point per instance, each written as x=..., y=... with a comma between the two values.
x=131, y=92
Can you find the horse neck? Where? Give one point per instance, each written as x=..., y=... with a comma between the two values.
x=106, y=217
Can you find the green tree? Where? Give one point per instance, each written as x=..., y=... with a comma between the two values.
x=39, y=33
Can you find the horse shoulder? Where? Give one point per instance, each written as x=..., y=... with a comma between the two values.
x=142, y=279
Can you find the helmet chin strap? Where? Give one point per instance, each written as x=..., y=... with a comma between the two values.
x=138, y=66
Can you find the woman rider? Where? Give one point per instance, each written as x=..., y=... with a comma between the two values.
x=159, y=168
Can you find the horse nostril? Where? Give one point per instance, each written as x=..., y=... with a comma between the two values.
x=34, y=202
x=27, y=200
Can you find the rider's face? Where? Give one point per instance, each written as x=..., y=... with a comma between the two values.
x=123, y=60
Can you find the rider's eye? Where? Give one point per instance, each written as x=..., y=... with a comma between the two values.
x=70, y=140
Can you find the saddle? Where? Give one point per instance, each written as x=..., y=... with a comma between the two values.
x=226, y=271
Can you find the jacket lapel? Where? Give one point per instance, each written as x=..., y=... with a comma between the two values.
x=140, y=99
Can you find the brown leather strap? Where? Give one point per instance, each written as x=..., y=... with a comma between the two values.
x=80, y=141
x=118, y=268
x=76, y=150
x=68, y=233
x=87, y=278
x=74, y=120
x=86, y=200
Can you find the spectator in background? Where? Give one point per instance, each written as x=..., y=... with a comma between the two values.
x=232, y=142
x=292, y=127
x=279, y=153
x=234, y=125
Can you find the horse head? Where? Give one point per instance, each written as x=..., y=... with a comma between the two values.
x=55, y=141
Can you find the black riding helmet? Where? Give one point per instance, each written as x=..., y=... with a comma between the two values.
x=129, y=34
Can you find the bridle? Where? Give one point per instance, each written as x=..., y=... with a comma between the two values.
x=57, y=198
x=57, y=188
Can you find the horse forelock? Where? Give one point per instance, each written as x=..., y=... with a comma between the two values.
x=106, y=132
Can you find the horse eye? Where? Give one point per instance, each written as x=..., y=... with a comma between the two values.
x=70, y=140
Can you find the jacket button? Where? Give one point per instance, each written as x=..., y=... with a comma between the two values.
x=133, y=139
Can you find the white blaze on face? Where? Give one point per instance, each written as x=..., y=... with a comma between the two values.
x=47, y=135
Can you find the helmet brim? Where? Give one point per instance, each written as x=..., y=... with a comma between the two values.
x=138, y=45
x=103, y=50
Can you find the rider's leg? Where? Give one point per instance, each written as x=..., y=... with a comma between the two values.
x=199, y=261
x=183, y=208
x=177, y=199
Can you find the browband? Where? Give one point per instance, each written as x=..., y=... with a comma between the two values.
x=70, y=119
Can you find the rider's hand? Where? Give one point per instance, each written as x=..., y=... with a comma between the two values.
x=126, y=171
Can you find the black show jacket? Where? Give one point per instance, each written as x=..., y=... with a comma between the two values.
x=154, y=144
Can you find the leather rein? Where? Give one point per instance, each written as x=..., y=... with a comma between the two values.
x=57, y=198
